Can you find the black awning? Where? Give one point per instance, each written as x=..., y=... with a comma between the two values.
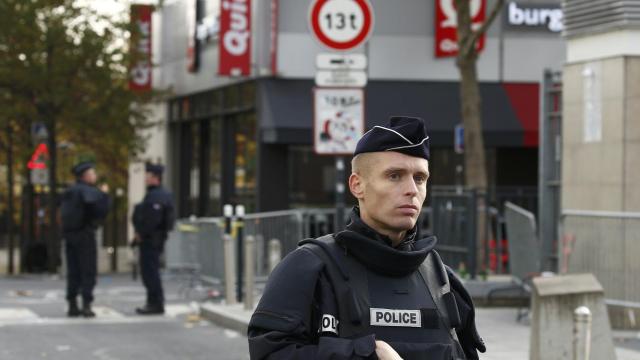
x=510, y=111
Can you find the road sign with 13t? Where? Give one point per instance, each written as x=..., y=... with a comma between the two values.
x=341, y=24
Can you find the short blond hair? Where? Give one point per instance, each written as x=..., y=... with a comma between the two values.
x=361, y=164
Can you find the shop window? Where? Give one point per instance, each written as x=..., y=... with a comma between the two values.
x=185, y=111
x=245, y=158
x=194, y=170
x=174, y=111
x=214, y=147
x=231, y=97
x=248, y=98
x=312, y=178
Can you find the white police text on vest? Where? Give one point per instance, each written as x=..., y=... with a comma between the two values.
x=395, y=317
x=329, y=324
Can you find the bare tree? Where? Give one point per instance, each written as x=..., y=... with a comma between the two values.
x=470, y=100
x=474, y=155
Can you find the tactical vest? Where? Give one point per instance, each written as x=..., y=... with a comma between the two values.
x=416, y=314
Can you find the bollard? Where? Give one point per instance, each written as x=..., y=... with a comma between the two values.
x=229, y=270
x=275, y=253
x=249, y=269
x=239, y=249
x=228, y=213
x=581, y=333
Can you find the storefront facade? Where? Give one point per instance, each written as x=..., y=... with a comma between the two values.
x=248, y=140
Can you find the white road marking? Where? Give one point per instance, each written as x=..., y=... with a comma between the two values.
x=16, y=314
x=104, y=312
x=231, y=334
x=175, y=310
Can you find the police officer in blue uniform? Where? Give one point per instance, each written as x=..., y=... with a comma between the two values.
x=153, y=218
x=83, y=206
x=377, y=290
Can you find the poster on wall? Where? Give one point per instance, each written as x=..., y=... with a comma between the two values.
x=140, y=70
x=235, y=38
x=446, y=41
x=338, y=120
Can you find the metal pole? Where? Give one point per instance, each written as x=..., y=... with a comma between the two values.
x=227, y=211
x=472, y=233
x=229, y=280
x=249, y=271
x=114, y=229
x=10, y=196
x=339, y=221
x=119, y=194
x=240, y=250
x=275, y=253
x=581, y=333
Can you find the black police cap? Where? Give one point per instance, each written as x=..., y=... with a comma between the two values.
x=81, y=167
x=403, y=134
x=155, y=169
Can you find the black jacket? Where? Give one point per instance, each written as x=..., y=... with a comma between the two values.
x=155, y=215
x=287, y=320
x=82, y=207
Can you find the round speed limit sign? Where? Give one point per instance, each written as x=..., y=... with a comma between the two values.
x=341, y=24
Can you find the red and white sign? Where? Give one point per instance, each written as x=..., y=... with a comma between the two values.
x=235, y=38
x=140, y=72
x=341, y=24
x=39, y=157
x=338, y=120
x=446, y=43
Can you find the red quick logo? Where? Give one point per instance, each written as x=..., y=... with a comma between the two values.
x=236, y=39
x=394, y=317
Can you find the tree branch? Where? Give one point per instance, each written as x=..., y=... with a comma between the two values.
x=475, y=34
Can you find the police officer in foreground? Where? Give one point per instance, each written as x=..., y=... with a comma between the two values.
x=153, y=218
x=83, y=206
x=376, y=290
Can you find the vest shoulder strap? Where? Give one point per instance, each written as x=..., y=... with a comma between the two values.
x=341, y=268
x=436, y=278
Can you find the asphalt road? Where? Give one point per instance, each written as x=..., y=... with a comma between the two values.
x=33, y=324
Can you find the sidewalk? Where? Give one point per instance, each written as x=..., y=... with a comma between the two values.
x=506, y=339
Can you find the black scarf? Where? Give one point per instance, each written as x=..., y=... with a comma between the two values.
x=375, y=251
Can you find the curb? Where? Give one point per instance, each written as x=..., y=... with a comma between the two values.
x=220, y=315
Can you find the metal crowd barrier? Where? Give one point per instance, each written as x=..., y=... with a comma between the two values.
x=195, y=249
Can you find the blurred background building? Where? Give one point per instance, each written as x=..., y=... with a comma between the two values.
x=248, y=139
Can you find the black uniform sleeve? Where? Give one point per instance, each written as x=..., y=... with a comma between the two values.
x=282, y=327
x=96, y=202
x=169, y=213
x=468, y=335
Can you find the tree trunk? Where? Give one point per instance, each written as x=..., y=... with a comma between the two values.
x=10, y=198
x=474, y=152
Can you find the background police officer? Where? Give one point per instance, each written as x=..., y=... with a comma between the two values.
x=152, y=219
x=83, y=205
x=376, y=290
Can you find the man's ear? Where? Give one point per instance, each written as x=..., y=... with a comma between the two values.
x=356, y=185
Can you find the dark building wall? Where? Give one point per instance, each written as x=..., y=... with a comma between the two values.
x=273, y=178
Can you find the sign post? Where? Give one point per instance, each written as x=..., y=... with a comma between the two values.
x=339, y=25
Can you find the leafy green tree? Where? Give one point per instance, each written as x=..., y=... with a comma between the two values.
x=67, y=66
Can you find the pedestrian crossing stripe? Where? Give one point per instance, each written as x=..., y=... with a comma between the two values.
x=16, y=316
